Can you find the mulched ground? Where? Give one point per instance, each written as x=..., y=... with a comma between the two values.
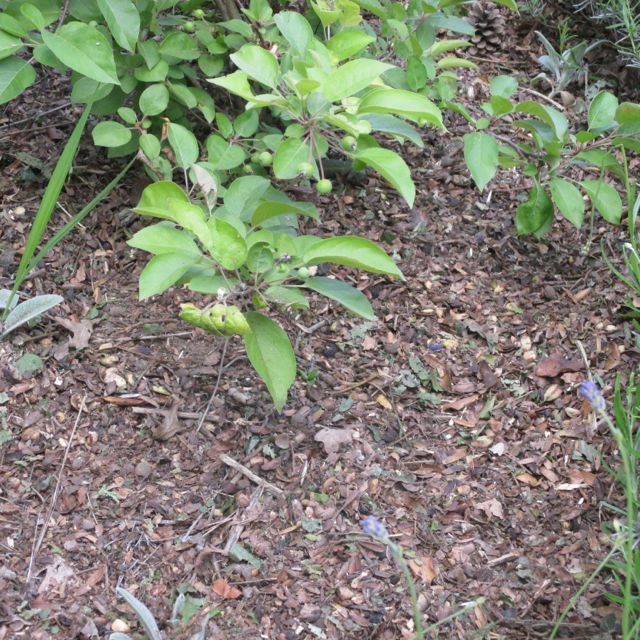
x=454, y=418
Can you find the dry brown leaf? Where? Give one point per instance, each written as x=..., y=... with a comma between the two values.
x=458, y=405
x=527, y=478
x=556, y=364
x=81, y=330
x=381, y=399
x=227, y=592
x=333, y=438
x=613, y=356
x=424, y=568
x=491, y=507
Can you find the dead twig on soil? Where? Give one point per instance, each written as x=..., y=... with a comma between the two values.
x=215, y=389
x=40, y=539
x=229, y=461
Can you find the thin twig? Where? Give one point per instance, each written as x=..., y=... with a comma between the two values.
x=35, y=117
x=533, y=92
x=38, y=543
x=252, y=476
x=215, y=389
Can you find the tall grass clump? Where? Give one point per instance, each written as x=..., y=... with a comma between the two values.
x=623, y=560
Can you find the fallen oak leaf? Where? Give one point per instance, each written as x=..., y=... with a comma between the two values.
x=81, y=330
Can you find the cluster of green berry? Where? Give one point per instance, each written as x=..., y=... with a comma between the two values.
x=220, y=319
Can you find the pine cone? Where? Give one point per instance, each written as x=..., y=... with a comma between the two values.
x=490, y=24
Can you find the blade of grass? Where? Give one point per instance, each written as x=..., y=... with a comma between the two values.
x=79, y=217
x=49, y=199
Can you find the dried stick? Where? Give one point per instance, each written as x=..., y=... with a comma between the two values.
x=38, y=542
x=252, y=476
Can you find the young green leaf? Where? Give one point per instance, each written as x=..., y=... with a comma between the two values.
x=605, y=199
x=28, y=310
x=348, y=296
x=352, y=77
x=258, y=63
x=181, y=46
x=123, y=20
x=228, y=247
x=290, y=154
x=568, y=200
x=271, y=354
x=184, y=145
x=345, y=44
x=154, y=99
x=16, y=75
x=391, y=167
x=602, y=111
x=85, y=50
x=162, y=272
x=401, y=103
x=481, y=156
x=536, y=215
x=352, y=251
x=556, y=120
x=162, y=238
x=296, y=30
x=110, y=134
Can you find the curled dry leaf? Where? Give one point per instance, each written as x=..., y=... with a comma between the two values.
x=333, y=438
x=225, y=590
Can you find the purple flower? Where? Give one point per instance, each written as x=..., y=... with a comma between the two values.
x=590, y=391
x=373, y=527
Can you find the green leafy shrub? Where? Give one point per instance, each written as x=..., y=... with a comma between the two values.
x=549, y=152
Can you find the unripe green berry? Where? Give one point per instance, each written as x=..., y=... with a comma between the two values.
x=324, y=186
x=305, y=169
x=198, y=13
x=349, y=143
x=303, y=273
x=265, y=158
x=189, y=27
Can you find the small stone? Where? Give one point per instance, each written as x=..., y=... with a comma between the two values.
x=143, y=469
x=120, y=626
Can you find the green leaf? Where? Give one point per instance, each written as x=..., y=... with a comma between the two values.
x=605, y=199
x=510, y=4
x=481, y=156
x=352, y=77
x=288, y=157
x=236, y=83
x=9, y=45
x=296, y=30
x=162, y=272
x=243, y=194
x=157, y=73
x=10, y=25
x=85, y=50
x=184, y=145
x=556, y=120
x=150, y=145
x=257, y=63
x=275, y=203
x=110, y=134
x=286, y=296
x=271, y=354
x=180, y=45
x=568, y=199
x=16, y=75
x=166, y=200
x=352, y=251
x=394, y=126
x=162, y=238
x=348, y=296
x=601, y=159
x=602, y=111
x=503, y=86
x=345, y=44
x=154, y=100
x=222, y=155
x=391, y=167
x=406, y=104
x=453, y=62
x=228, y=247
x=123, y=20
x=536, y=215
